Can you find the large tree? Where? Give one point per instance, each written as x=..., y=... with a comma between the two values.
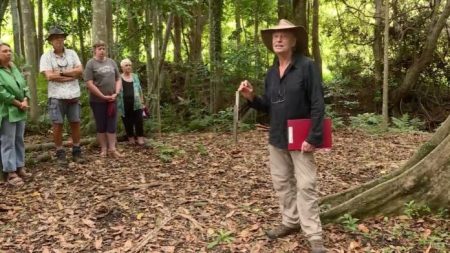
x=30, y=39
x=424, y=178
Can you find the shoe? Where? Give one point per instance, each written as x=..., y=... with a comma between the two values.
x=14, y=180
x=115, y=154
x=317, y=246
x=61, y=158
x=76, y=155
x=282, y=231
x=21, y=172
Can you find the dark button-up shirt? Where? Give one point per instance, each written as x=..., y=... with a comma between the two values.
x=297, y=95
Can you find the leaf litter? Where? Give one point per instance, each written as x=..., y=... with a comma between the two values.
x=189, y=190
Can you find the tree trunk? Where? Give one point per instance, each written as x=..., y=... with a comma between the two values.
x=3, y=7
x=195, y=34
x=315, y=36
x=132, y=32
x=300, y=16
x=215, y=51
x=30, y=55
x=385, y=111
x=177, y=40
x=109, y=29
x=284, y=10
x=148, y=48
x=16, y=22
x=40, y=37
x=81, y=34
x=424, y=179
x=237, y=19
x=377, y=49
x=99, y=28
x=438, y=21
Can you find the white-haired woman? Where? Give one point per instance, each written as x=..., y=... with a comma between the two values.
x=131, y=103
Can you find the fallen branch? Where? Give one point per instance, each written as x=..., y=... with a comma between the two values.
x=46, y=146
x=145, y=239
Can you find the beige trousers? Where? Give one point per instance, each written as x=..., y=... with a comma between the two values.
x=294, y=179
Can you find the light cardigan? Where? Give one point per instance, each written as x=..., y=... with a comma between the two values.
x=12, y=86
x=138, y=103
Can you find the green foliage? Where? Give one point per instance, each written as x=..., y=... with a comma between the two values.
x=222, y=236
x=368, y=121
x=166, y=153
x=414, y=210
x=349, y=222
x=437, y=241
x=405, y=123
x=338, y=121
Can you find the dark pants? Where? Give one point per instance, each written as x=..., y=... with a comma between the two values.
x=133, y=123
x=105, y=116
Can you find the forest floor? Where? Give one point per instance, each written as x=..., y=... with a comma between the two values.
x=200, y=193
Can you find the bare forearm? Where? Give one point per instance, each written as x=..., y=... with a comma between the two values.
x=94, y=90
x=118, y=86
x=75, y=72
x=56, y=77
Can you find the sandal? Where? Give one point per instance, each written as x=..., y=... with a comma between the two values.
x=14, y=179
x=21, y=172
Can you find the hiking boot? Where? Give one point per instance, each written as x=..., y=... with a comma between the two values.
x=61, y=157
x=282, y=231
x=317, y=246
x=76, y=155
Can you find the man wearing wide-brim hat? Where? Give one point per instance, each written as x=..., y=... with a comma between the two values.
x=293, y=90
x=62, y=68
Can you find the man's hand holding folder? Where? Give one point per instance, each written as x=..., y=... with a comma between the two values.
x=298, y=130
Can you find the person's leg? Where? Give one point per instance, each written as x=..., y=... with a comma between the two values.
x=100, y=115
x=139, y=126
x=307, y=196
x=57, y=117
x=20, y=150
x=8, y=152
x=127, y=122
x=8, y=149
x=73, y=115
x=111, y=128
x=283, y=179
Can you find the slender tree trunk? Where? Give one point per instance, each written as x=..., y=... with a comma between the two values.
x=438, y=21
x=377, y=48
x=17, y=24
x=40, y=37
x=385, y=111
x=315, y=36
x=284, y=10
x=3, y=7
x=99, y=21
x=109, y=28
x=237, y=19
x=177, y=40
x=81, y=34
x=30, y=55
x=215, y=51
x=195, y=35
x=148, y=48
x=132, y=30
x=300, y=16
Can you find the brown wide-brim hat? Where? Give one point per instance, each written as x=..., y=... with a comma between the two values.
x=285, y=25
x=55, y=31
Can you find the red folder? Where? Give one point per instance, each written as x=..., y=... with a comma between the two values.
x=298, y=130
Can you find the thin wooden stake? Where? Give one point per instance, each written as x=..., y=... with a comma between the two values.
x=236, y=118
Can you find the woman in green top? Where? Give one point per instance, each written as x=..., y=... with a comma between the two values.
x=14, y=96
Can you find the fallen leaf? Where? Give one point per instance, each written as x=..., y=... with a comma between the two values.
x=88, y=223
x=139, y=216
x=98, y=243
x=363, y=228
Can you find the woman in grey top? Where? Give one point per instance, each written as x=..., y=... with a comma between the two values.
x=104, y=83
